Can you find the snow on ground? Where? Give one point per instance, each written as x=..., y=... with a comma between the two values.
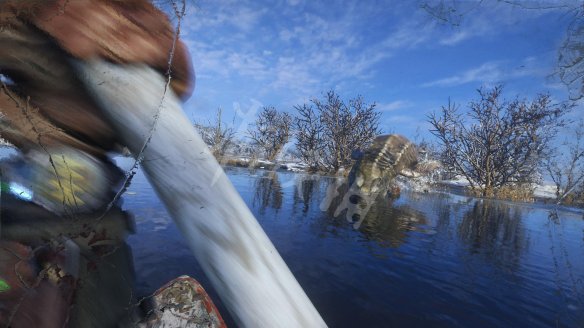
x=544, y=190
x=459, y=182
x=293, y=167
x=284, y=165
x=265, y=162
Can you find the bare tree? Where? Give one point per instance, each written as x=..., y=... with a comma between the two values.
x=309, y=136
x=566, y=165
x=497, y=142
x=339, y=129
x=271, y=131
x=571, y=56
x=216, y=135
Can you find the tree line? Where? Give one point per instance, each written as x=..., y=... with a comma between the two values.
x=500, y=146
x=325, y=132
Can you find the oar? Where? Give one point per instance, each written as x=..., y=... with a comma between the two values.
x=238, y=257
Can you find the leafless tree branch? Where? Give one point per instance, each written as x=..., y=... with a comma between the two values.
x=566, y=166
x=271, y=131
x=216, y=135
x=497, y=142
x=329, y=132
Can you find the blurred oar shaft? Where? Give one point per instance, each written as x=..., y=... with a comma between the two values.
x=233, y=250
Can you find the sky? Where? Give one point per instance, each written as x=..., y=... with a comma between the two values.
x=250, y=54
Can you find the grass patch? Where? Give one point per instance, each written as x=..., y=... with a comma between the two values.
x=513, y=192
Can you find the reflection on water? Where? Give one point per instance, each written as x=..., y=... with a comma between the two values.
x=390, y=225
x=268, y=192
x=380, y=220
x=306, y=186
x=420, y=260
x=494, y=230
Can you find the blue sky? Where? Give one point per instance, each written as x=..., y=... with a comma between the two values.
x=248, y=54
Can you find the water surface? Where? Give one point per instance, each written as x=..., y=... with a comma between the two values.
x=433, y=259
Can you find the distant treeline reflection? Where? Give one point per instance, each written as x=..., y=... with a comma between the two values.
x=491, y=229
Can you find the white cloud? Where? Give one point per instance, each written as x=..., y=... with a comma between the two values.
x=206, y=15
x=482, y=19
x=247, y=64
x=487, y=72
x=286, y=35
x=246, y=18
x=393, y=106
x=294, y=76
x=491, y=73
x=302, y=52
x=409, y=35
x=401, y=119
x=455, y=38
x=290, y=50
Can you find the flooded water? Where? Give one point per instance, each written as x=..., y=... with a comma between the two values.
x=433, y=259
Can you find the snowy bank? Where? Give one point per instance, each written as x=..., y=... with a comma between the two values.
x=540, y=190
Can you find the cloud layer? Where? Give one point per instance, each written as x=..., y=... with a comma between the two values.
x=286, y=52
